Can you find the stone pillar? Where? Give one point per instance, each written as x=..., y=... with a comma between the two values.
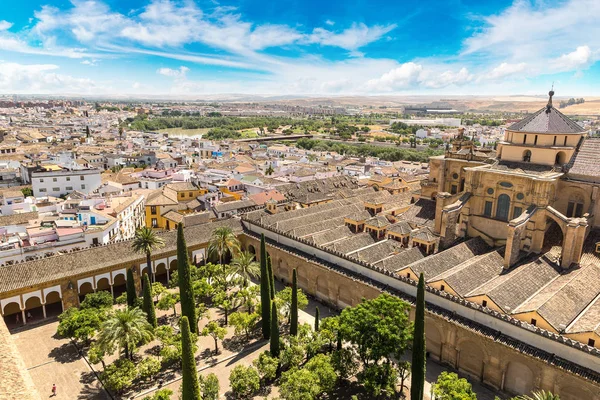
x=24, y=318
x=44, y=310
x=70, y=297
x=513, y=243
x=573, y=242
x=137, y=280
x=441, y=202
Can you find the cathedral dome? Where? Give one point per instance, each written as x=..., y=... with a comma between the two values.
x=547, y=120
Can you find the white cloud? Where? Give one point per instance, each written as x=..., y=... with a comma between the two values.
x=406, y=75
x=174, y=73
x=505, y=70
x=40, y=78
x=330, y=22
x=5, y=25
x=91, y=63
x=411, y=75
x=580, y=58
x=536, y=31
x=447, y=78
x=164, y=23
x=353, y=38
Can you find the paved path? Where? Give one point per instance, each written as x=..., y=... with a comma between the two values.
x=52, y=360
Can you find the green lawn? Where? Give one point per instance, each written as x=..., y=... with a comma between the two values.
x=249, y=133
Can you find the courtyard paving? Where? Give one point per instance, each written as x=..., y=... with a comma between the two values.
x=54, y=360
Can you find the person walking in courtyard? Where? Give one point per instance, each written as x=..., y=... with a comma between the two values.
x=53, y=389
x=17, y=320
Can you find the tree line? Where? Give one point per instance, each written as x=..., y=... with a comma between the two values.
x=366, y=150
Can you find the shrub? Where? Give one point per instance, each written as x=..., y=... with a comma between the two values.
x=266, y=366
x=244, y=381
x=119, y=375
x=299, y=384
x=98, y=300
x=170, y=355
x=148, y=368
x=162, y=394
x=210, y=387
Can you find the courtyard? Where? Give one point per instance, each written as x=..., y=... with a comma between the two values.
x=51, y=359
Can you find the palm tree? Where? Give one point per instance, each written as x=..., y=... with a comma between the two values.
x=125, y=329
x=245, y=266
x=223, y=240
x=541, y=395
x=269, y=170
x=145, y=242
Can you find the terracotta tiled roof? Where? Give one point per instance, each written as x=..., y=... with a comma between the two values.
x=88, y=261
x=17, y=219
x=586, y=163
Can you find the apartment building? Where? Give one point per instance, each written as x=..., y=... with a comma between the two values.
x=54, y=180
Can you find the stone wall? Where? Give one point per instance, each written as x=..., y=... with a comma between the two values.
x=497, y=364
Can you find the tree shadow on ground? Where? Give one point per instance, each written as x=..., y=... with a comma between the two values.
x=235, y=343
x=66, y=353
x=346, y=389
x=154, y=350
x=92, y=389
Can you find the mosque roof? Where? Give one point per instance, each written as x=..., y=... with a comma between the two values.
x=547, y=120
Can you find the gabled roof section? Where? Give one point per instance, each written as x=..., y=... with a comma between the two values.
x=547, y=120
x=585, y=164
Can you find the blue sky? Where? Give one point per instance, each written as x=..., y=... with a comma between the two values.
x=353, y=47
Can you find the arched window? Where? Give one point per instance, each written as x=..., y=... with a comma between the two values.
x=575, y=206
x=503, y=207
x=527, y=156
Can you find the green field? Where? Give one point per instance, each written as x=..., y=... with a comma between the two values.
x=248, y=133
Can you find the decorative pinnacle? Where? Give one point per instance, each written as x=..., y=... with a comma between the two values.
x=550, y=93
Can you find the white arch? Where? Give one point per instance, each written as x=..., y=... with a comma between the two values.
x=48, y=290
x=198, y=255
x=14, y=299
x=37, y=293
x=80, y=282
x=105, y=275
x=117, y=273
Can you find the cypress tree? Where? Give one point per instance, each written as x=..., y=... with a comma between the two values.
x=190, y=387
x=316, y=319
x=417, y=376
x=130, y=285
x=265, y=291
x=271, y=279
x=148, y=304
x=274, y=331
x=186, y=293
x=294, y=307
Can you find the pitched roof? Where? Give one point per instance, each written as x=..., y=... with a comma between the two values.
x=421, y=213
x=18, y=219
x=547, y=120
x=31, y=273
x=262, y=197
x=586, y=163
x=444, y=260
x=399, y=261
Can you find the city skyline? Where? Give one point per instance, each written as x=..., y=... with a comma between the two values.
x=187, y=48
